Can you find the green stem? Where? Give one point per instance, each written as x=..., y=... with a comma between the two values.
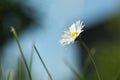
x=43, y=63
x=90, y=55
x=18, y=42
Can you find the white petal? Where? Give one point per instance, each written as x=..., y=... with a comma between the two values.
x=67, y=32
x=81, y=23
x=77, y=23
x=65, y=36
x=79, y=26
x=72, y=28
x=66, y=41
x=82, y=28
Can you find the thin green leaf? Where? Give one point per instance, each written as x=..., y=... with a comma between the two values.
x=1, y=73
x=31, y=57
x=23, y=57
x=43, y=63
x=9, y=76
x=77, y=74
x=91, y=57
x=19, y=70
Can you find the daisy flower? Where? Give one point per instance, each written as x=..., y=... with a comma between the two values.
x=72, y=33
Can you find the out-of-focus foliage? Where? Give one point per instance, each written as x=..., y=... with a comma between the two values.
x=105, y=39
x=12, y=14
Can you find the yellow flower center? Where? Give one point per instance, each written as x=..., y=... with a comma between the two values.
x=73, y=34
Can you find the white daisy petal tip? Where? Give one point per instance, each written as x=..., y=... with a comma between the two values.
x=70, y=35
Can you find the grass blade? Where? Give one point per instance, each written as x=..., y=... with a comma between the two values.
x=77, y=74
x=31, y=57
x=19, y=70
x=23, y=57
x=1, y=73
x=43, y=63
x=91, y=57
x=9, y=75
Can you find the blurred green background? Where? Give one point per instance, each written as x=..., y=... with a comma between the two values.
x=104, y=42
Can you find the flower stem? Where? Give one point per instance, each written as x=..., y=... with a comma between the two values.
x=43, y=63
x=90, y=55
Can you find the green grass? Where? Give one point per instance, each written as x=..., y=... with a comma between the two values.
x=78, y=75
x=9, y=76
x=22, y=54
x=25, y=61
x=26, y=75
x=43, y=63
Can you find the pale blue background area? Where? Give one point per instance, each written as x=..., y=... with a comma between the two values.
x=58, y=16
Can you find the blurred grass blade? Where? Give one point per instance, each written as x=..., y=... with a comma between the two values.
x=43, y=63
x=19, y=69
x=31, y=57
x=90, y=55
x=23, y=57
x=77, y=74
x=1, y=73
x=9, y=76
x=117, y=76
x=88, y=60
